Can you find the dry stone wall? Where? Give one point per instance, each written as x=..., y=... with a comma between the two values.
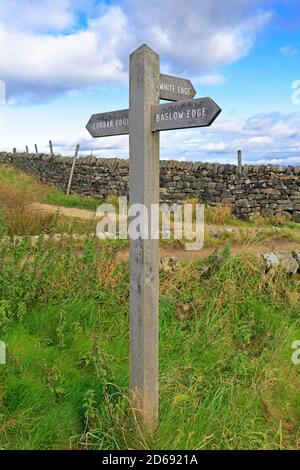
x=264, y=189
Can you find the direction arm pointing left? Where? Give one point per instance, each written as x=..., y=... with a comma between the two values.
x=109, y=124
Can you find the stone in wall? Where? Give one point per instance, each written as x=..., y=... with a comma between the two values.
x=256, y=189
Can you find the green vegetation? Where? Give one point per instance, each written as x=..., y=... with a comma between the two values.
x=227, y=380
x=226, y=376
x=58, y=198
x=31, y=189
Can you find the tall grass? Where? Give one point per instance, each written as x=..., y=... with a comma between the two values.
x=20, y=218
x=12, y=179
x=225, y=363
x=219, y=215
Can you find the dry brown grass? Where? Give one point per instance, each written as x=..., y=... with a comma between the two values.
x=19, y=217
x=113, y=200
x=220, y=214
x=275, y=219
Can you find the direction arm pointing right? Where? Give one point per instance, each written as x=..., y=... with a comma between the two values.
x=175, y=88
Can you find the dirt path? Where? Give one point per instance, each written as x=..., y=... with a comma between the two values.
x=277, y=244
x=86, y=214
x=66, y=211
x=274, y=243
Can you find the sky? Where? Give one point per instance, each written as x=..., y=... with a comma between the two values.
x=63, y=60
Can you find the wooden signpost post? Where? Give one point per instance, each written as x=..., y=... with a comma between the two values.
x=143, y=121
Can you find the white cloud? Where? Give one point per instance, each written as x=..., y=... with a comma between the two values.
x=215, y=147
x=290, y=50
x=37, y=15
x=199, y=35
x=262, y=138
x=212, y=80
x=37, y=62
x=37, y=65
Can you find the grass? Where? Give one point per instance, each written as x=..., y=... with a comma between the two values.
x=58, y=198
x=29, y=187
x=21, y=218
x=226, y=376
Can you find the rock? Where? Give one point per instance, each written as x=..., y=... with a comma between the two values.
x=271, y=260
x=296, y=255
x=282, y=259
x=287, y=215
x=288, y=262
x=296, y=170
x=296, y=217
x=262, y=189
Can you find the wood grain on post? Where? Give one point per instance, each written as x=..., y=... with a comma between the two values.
x=144, y=254
x=72, y=169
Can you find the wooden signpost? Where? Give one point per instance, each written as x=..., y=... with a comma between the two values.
x=184, y=114
x=143, y=121
x=108, y=124
x=175, y=88
x=117, y=122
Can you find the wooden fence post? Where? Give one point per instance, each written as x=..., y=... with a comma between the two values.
x=27, y=150
x=144, y=253
x=239, y=158
x=36, y=150
x=51, y=148
x=72, y=169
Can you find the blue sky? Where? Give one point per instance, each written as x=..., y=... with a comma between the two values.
x=63, y=60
